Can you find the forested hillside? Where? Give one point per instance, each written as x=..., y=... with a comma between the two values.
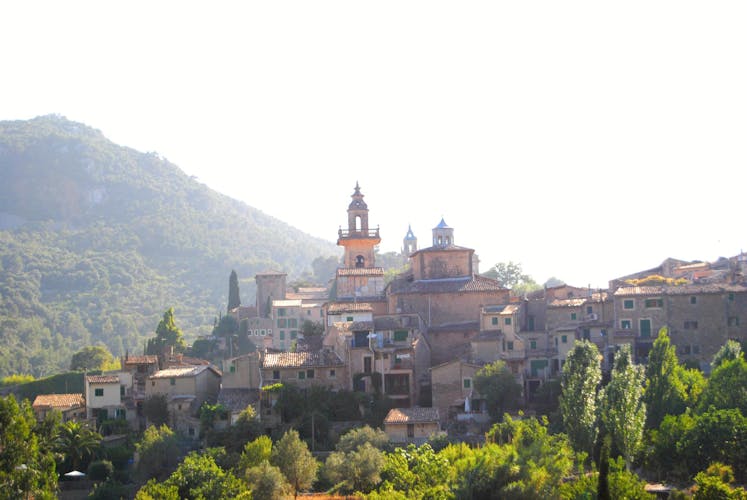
x=98, y=240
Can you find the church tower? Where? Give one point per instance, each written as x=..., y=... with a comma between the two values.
x=443, y=235
x=410, y=243
x=358, y=240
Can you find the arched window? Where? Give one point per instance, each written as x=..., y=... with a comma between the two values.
x=359, y=261
x=357, y=222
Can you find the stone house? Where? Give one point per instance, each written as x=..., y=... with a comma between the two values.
x=105, y=396
x=454, y=395
x=412, y=425
x=71, y=406
x=304, y=369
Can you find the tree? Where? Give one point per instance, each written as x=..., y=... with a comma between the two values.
x=665, y=392
x=93, y=358
x=156, y=409
x=199, y=477
x=158, y=451
x=357, y=470
x=498, y=386
x=623, y=411
x=578, y=400
x=510, y=275
x=233, y=291
x=26, y=470
x=351, y=440
x=715, y=483
x=730, y=351
x=267, y=482
x=295, y=461
x=255, y=452
x=77, y=443
x=727, y=386
x=168, y=336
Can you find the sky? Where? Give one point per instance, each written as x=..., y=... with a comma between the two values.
x=583, y=140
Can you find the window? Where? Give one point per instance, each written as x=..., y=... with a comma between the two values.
x=693, y=300
x=294, y=334
x=98, y=392
x=467, y=383
x=265, y=332
x=573, y=316
x=282, y=335
x=152, y=383
x=564, y=339
x=731, y=297
x=691, y=325
x=510, y=345
x=628, y=304
x=733, y=320
x=494, y=321
x=233, y=369
x=281, y=311
x=332, y=374
x=172, y=381
x=507, y=321
x=191, y=431
x=686, y=349
x=626, y=324
x=400, y=335
x=586, y=333
x=533, y=344
x=309, y=373
x=349, y=318
x=276, y=374
x=282, y=323
x=367, y=364
x=651, y=303
x=121, y=391
x=292, y=322
x=411, y=430
x=589, y=309
x=301, y=375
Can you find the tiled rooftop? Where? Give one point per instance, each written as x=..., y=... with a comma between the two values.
x=345, y=307
x=102, y=379
x=183, y=371
x=141, y=360
x=237, y=399
x=59, y=401
x=301, y=359
x=411, y=415
x=448, y=285
x=679, y=290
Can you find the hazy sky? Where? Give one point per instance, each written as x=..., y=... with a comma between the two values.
x=584, y=140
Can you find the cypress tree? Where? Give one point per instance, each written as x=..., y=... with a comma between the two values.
x=233, y=291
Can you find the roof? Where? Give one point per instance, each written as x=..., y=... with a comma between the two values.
x=287, y=303
x=502, y=309
x=344, y=307
x=411, y=415
x=578, y=302
x=475, y=283
x=237, y=399
x=679, y=289
x=444, y=248
x=183, y=371
x=59, y=401
x=301, y=359
x=102, y=379
x=442, y=225
x=141, y=360
x=360, y=271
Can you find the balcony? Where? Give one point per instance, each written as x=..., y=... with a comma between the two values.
x=348, y=234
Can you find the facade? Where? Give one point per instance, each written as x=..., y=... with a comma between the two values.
x=104, y=396
x=287, y=316
x=270, y=286
x=454, y=395
x=305, y=369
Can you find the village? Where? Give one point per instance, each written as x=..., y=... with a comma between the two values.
x=420, y=339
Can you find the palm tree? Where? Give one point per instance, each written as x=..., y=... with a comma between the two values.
x=77, y=442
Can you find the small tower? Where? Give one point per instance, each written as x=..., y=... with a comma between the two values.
x=270, y=286
x=358, y=240
x=410, y=243
x=443, y=235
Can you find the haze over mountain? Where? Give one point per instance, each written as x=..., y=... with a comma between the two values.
x=97, y=240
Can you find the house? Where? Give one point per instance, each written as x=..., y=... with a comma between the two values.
x=71, y=406
x=412, y=425
x=305, y=369
x=454, y=394
x=186, y=388
x=105, y=396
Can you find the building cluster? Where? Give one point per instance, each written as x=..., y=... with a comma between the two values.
x=420, y=338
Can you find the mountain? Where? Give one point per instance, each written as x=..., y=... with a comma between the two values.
x=98, y=240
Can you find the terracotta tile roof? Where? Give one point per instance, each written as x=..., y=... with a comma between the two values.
x=183, y=371
x=301, y=359
x=360, y=271
x=102, y=379
x=141, y=360
x=566, y=303
x=59, y=401
x=502, y=308
x=450, y=248
x=475, y=283
x=344, y=307
x=680, y=290
x=411, y=415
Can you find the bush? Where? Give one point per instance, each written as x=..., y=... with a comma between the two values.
x=100, y=470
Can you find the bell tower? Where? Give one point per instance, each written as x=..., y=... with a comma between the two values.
x=443, y=235
x=358, y=240
x=410, y=243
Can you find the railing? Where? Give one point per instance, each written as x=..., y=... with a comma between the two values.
x=346, y=233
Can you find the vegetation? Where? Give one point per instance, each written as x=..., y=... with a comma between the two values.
x=510, y=275
x=578, y=401
x=498, y=386
x=97, y=240
x=93, y=358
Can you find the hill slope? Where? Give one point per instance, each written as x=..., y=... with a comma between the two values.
x=97, y=240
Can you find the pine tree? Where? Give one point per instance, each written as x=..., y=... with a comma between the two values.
x=578, y=400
